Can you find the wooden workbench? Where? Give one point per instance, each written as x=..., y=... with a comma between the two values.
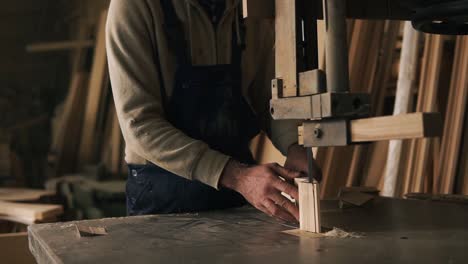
x=394, y=231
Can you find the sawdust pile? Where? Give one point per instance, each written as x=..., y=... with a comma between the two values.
x=340, y=233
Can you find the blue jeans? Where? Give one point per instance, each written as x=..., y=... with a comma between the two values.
x=153, y=190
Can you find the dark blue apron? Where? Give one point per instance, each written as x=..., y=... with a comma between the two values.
x=206, y=104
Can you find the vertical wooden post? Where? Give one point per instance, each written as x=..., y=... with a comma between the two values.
x=286, y=44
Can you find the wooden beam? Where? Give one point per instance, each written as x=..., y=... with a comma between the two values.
x=378, y=89
x=71, y=125
x=416, y=125
x=59, y=46
x=286, y=51
x=97, y=87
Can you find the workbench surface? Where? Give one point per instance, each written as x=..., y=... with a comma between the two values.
x=394, y=231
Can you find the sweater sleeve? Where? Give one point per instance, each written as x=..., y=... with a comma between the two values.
x=132, y=40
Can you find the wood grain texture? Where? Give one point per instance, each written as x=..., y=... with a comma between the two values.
x=309, y=206
x=416, y=125
x=29, y=213
x=97, y=86
x=71, y=126
x=418, y=152
x=404, y=94
x=454, y=120
x=286, y=46
x=23, y=195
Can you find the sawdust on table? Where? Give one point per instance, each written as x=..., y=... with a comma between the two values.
x=340, y=233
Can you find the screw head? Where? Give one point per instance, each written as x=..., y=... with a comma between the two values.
x=318, y=132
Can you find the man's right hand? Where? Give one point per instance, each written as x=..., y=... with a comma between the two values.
x=261, y=186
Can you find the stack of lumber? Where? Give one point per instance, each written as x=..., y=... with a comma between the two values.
x=87, y=132
x=27, y=213
x=439, y=84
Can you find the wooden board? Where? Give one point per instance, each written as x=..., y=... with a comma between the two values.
x=416, y=125
x=23, y=195
x=29, y=213
x=14, y=249
x=97, y=87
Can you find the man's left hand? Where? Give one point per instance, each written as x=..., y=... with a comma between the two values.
x=297, y=161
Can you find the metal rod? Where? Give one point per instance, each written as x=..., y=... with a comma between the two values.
x=336, y=45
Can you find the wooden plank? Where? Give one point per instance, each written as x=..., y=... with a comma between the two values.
x=97, y=85
x=309, y=206
x=23, y=195
x=286, y=52
x=258, y=9
x=71, y=125
x=454, y=120
x=406, y=82
x=416, y=125
x=15, y=249
x=30, y=213
x=428, y=87
x=59, y=46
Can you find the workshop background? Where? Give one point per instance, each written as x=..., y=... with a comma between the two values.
x=61, y=149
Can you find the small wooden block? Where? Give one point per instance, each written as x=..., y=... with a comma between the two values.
x=312, y=82
x=88, y=231
x=309, y=206
x=302, y=233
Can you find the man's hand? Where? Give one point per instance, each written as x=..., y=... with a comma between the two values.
x=297, y=161
x=261, y=186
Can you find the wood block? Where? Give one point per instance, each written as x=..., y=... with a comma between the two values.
x=312, y=82
x=309, y=206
